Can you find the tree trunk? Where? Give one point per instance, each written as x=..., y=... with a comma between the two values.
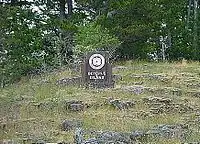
x=62, y=9
x=188, y=14
x=65, y=37
x=13, y=2
x=195, y=28
x=69, y=7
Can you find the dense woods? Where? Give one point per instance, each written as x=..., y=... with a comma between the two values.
x=37, y=35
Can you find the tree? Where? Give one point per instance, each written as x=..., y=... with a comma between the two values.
x=59, y=29
x=21, y=38
x=93, y=37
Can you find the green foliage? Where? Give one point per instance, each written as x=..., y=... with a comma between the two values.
x=22, y=40
x=30, y=41
x=93, y=37
x=140, y=24
x=131, y=23
x=50, y=36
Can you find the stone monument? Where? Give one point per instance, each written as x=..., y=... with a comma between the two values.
x=97, y=71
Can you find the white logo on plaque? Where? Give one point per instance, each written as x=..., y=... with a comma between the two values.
x=96, y=61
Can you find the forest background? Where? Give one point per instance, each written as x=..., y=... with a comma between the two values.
x=41, y=35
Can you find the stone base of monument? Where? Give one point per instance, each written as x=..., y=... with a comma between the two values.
x=78, y=81
x=99, y=85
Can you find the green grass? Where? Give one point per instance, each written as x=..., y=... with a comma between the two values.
x=34, y=108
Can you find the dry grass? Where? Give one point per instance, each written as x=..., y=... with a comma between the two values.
x=20, y=116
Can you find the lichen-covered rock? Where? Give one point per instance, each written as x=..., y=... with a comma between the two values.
x=116, y=78
x=70, y=81
x=171, y=108
x=112, y=137
x=160, y=77
x=119, y=104
x=67, y=125
x=163, y=131
x=8, y=142
x=159, y=105
x=78, y=137
x=136, y=89
x=138, y=136
x=169, y=131
x=90, y=141
x=119, y=68
x=75, y=105
x=150, y=100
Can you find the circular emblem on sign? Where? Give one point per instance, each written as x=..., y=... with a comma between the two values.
x=96, y=61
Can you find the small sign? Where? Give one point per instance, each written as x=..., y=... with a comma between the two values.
x=97, y=71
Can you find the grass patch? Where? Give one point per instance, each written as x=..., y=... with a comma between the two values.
x=35, y=106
